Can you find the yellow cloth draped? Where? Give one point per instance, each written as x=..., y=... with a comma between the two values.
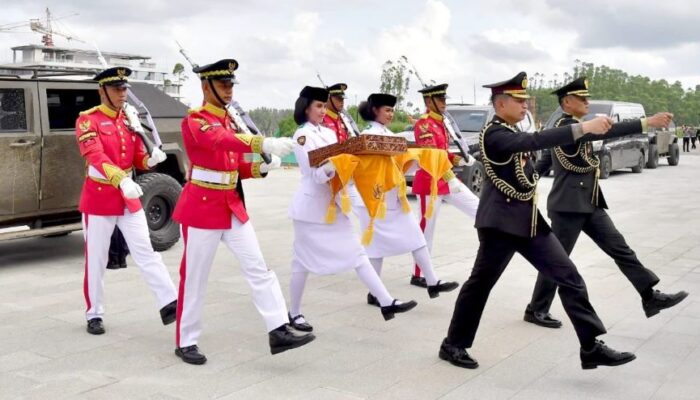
x=374, y=175
x=433, y=161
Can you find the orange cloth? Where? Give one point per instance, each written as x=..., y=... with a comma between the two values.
x=433, y=161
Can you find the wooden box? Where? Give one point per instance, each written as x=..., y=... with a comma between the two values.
x=363, y=144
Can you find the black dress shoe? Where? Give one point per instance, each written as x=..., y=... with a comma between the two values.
x=168, y=313
x=191, y=355
x=122, y=263
x=300, y=326
x=95, y=327
x=113, y=264
x=660, y=301
x=282, y=339
x=457, y=356
x=389, y=311
x=418, y=281
x=602, y=355
x=541, y=319
x=372, y=301
x=434, y=291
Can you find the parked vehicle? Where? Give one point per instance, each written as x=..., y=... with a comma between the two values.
x=43, y=172
x=630, y=151
x=663, y=143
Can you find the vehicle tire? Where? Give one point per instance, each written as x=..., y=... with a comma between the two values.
x=473, y=177
x=637, y=169
x=673, y=154
x=653, y=157
x=605, y=166
x=160, y=194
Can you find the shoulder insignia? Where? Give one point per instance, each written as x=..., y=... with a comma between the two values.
x=87, y=136
x=89, y=111
x=204, y=124
x=194, y=110
x=301, y=140
x=84, y=126
x=423, y=116
x=423, y=128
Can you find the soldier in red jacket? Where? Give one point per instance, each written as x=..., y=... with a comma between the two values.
x=334, y=119
x=212, y=212
x=430, y=131
x=110, y=197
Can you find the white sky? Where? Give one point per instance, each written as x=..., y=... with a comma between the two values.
x=281, y=44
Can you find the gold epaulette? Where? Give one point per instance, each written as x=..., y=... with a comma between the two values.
x=424, y=116
x=194, y=110
x=89, y=111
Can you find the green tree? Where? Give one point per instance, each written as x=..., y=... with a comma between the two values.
x=395, y=80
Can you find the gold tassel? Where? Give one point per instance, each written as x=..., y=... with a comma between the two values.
x=330, y=213
x=381, y=211
x=368, y=234
x=405, y=206
x=345, y=204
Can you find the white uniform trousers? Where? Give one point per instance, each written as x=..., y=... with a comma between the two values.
x=465, y=201
x=200, y=248
x=97, y=231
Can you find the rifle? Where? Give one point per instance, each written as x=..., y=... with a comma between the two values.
x=234, y=110
x=349, y=123
x=450, y=125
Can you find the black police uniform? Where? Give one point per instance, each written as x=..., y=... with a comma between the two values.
x=576, y=204
x=508, y=221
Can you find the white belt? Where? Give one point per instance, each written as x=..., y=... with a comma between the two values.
x=215, y=177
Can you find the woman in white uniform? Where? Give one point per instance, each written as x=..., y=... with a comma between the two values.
x=319, y=247
x=398, y=232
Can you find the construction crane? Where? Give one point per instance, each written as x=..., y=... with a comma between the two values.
x=45, y=28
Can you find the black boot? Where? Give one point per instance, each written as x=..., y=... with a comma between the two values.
x=602, y=355
x=389, y=311
x=300, y=326
x=282, y=339
x=440, y=286
x=113, y=263
x=191, y=355
x=168, y=313
x=372, y=301
x=95, y=327
x=659, y=301
x=418, y=281
x=122, y=262
x=541, y=319
x=457, y=356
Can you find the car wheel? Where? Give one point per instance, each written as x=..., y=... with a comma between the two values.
x=473, y=178
x=160, y=194
x=653, y=157
x=673, y=154
x=637, y=169
x=605, y=166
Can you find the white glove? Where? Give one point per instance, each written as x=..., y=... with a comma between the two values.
x=132, y=115
x=466, y=162
x=157, y=157
x=328, y=168
x=456, y=186
x=131, y=189
x=278, y=146
x=275, y=162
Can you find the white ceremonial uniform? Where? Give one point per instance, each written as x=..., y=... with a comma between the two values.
x=397, y=233
x=319, y=247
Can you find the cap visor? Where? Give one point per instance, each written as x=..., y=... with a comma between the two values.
x=519, y=96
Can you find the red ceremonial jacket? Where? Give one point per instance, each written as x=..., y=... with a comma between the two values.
x=333, y=122
x=213, y=146
x=111, y=151
x=430, y=132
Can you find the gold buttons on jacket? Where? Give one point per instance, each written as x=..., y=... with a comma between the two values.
x=507, y=200
x=204, y=198
x=581, y=183
x=99, y=189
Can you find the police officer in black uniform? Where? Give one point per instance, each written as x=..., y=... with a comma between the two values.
x=576, y=204
x=508, y=221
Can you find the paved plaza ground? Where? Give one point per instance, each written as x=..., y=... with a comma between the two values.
x=45, y=352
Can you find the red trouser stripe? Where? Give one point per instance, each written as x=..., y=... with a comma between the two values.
x=416, y=269
x=181, y=291
x=86, y=293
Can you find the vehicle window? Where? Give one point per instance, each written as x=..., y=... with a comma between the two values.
x=64, y=105
x=594, y=109
x=13, y=111
x=470, y=120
